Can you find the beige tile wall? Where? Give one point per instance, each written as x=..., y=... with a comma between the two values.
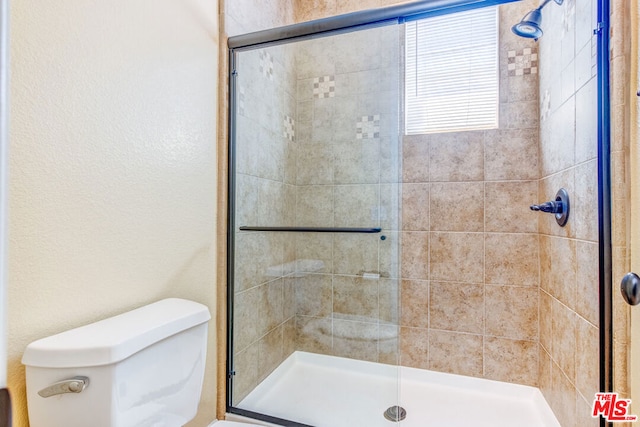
x=470, y=246
x=307, y=291
x=307, y=10
x=263, y=299
x=347, y=176
x=569, y=275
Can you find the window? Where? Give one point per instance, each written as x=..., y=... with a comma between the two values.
x=451, y=72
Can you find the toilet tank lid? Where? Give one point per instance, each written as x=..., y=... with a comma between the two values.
x=116, y=338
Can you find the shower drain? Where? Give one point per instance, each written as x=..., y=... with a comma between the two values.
x=395, y=413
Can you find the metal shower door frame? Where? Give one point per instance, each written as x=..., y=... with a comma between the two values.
x=604, y=201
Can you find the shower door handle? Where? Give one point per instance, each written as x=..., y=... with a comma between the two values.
x=630, y=288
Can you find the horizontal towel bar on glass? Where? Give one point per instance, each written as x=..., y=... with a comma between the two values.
x=314, y=229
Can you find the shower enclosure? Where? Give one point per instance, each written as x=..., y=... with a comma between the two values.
x=365, y=247
x=317, y=194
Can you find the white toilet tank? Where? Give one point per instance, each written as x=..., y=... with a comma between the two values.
x=141, y=368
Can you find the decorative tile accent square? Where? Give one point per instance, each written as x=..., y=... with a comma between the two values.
x=523, y=62
x=241, y=99
x=545, y=106
x=368, y=127
x=266, y=64
x=324, y=87
x=289, y=126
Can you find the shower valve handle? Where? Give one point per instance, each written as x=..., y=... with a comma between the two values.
x=549, y=207
x=558, y=207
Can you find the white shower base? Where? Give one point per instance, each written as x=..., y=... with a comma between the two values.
x=327, y=391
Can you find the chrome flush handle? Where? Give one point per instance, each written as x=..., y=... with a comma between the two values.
x=72, y=385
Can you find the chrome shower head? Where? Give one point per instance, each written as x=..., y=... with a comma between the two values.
x=530, y=25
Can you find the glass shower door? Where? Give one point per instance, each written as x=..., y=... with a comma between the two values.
x=315, y=219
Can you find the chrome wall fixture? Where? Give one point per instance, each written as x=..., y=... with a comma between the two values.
x=76, y=384
x=530, y=25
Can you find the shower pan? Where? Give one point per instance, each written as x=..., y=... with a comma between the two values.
x=384, y=264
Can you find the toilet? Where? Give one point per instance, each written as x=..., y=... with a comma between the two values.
x=143, y=368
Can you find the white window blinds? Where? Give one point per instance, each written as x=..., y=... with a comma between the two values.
x=452, y=72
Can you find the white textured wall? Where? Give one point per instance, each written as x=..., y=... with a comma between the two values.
x=113, y=168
